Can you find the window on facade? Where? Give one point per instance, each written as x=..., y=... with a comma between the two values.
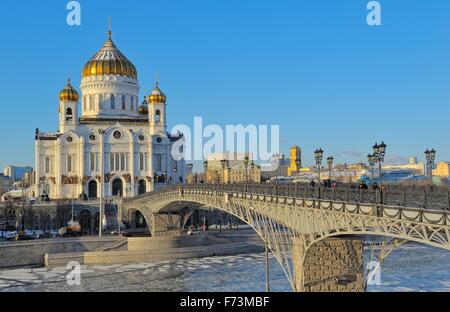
x=141, y=162
x=111, y=162
x=69, y=114
x=92, y=160
x=123, y=102
x=47, y=165
x=100, y=101
x=91, y=102
x=132, y=103
x=158, y=163
x=158, y=116
x=116, y=168
x=122, y=162
x=113, y=102
x=69, y=163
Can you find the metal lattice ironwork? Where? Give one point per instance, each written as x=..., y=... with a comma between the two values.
x=280, y=214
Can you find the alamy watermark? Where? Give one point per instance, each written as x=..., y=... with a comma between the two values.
x=73, y=278
x=74, y=15
x=374, y=16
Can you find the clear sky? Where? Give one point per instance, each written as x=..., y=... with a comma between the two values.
x=313, y=67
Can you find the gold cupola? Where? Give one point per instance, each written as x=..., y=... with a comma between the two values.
x=157, y=96
x=143, y=109
x=69, y=93
x=109, y=61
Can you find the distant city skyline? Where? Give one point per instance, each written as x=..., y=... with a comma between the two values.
x=316, y=69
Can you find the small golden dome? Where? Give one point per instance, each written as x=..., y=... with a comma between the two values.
x=143, y=109
x=109, y=61
x=69, y=93
x=157, y=96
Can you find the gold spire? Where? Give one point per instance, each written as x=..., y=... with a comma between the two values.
x=109, y=28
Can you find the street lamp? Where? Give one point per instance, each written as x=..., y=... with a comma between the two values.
x=298, y=164
x=223, y=164
x=379, y=152
x=318, y=155
x=430, y=156
x=372, y=162
x=246, y=161
x=330, y=161
x=205, y=167
x=175, y=175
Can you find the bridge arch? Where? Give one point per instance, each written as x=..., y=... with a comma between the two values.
x=279, y=219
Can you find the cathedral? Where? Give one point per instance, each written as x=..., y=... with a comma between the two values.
x=112, y=146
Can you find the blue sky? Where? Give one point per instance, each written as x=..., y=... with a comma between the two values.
x=313, y=67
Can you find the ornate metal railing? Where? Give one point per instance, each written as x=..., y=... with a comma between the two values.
x=412, y=197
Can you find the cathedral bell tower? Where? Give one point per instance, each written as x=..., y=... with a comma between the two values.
x=157, y=111
x=68, y=108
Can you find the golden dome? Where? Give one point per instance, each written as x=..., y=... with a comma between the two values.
x=143, y=109
x=109, y=61
x=69, y=93
x=157, y=96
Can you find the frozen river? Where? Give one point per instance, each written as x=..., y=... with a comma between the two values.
x=410, y=268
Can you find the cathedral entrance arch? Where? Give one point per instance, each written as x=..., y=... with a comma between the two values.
x=142, y=187
x=117, y=187
x=92, y=188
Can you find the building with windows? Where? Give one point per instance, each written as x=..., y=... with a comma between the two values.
x=17, y=173
x=296, y=161
x=230, y=168
x=110, y=145
x=442, y=170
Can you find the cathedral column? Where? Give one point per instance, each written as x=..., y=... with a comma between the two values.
x=38, y=168
x=150, y=187
x=81, y=166
x=132, y=170
x=58, y=169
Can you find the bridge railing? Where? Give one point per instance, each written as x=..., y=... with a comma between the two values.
x=411, y=197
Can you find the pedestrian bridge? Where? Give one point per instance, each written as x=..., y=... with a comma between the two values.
x=314, y=232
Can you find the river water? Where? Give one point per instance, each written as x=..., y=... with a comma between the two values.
x=410, y=268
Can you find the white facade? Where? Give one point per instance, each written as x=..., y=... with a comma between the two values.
x=111, y=145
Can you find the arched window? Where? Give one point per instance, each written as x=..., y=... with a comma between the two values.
x=158, y=163
x=123, y=102
x=141, y=161
x=69, y=114
x=47, y=165
x=69, y=163
x=113, y=102
x=100, y=101
x=158, y=116
x=122, y=162
x=132, y=103
x=91, y=102
x=92, y=162
x=111, y=162
x=117, y=166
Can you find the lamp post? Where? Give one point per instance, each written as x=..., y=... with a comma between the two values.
x=379, y=152
x=372, y=162
x=246, y=161
x=175, y=175
x=330, y=161
x=298, y=164
x=318, y=155
x=165, y=178
x=205, y=167
x=430, y=155
x=223, y=164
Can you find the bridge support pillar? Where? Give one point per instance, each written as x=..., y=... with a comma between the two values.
x=166, y=225
x=334, y=264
